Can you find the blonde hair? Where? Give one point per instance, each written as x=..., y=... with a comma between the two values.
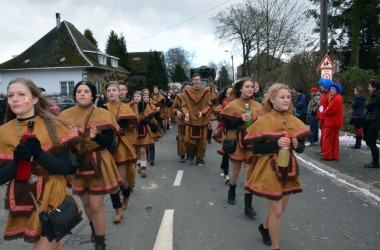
x=272, y=92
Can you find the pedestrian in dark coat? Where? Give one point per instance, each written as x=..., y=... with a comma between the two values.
x=301, y=106
x=101, y=101
x=357, y=115
x=372, y=122
x=312, y=110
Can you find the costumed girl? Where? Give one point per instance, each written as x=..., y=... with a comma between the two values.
x=267, y=179
x=97, y=174
x=50, y=156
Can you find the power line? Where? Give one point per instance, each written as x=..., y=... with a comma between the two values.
x=178, y=24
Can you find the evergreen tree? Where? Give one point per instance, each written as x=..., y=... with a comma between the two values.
x=224, y=78
x=122, y=53
x=112, y=46
x=88, y=34
x=156, y=72
x=179, y=74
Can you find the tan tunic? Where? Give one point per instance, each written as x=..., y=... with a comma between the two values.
x=100, y=174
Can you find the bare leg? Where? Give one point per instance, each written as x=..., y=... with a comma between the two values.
x=86, y=204
x=98, y=214
x=274, y=219
x=123, y=174
x=43, y=243
x=234, y=174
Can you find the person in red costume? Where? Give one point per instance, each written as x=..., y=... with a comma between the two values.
x=325, y=95
x=333, y=121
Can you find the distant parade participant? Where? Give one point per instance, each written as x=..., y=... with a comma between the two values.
x=267, y=179
x=325, y=95
x=196, y=106
x=212, y=117
x=144, y=134
x=159, y=100
x=154, y=127
x=49, y=152
x=181, y=147
x=124, y=97
x=237, y=120
x=223, y=100
x=124, y=152
x=166, y=109
x=130, y=132
x=97, y=174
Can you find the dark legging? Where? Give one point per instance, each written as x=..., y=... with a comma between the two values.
x=371, y=134
x=225, y=164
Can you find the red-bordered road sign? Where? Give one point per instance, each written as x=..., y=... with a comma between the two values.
x=326, y=63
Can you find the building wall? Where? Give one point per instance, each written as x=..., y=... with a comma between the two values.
x=49, y=79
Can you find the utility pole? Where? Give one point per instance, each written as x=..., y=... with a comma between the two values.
x=233, y=68
x=323, y=26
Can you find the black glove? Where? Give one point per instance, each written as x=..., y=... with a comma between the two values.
x=21, y=153
x=34, y=146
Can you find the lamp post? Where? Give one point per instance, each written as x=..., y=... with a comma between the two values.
x=233, y=69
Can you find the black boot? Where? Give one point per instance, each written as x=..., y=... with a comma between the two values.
x=100, y=242
x=209, y=134
x=248, y=209
x=148, y=154
x=232, y=194
x=265, y=234
x=117, y=205
x=152, y=152
x=358, y=143
x=92, y=232
x=372, y=165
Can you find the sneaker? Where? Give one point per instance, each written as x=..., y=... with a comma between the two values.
x=307, y=144
x=221, y=172
x=190, y=160
x=183, y=158
x=226, y=179
x=201, y=164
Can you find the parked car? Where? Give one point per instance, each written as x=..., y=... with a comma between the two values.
x=63, y=102
x=54, y=107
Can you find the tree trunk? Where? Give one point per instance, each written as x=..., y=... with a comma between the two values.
x=355, y=33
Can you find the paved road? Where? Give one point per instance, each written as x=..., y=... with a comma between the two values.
x=339, y=208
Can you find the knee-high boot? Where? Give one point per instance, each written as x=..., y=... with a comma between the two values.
x=152, y=152
x=232, y=194
x=209, y=134
x=126, y=193
x=358, y=143
x=248, y=208
x=100, y=242
x=116, y=204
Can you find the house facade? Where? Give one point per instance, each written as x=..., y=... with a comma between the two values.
x=59, y=60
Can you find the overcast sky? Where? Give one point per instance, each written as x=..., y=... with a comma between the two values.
x=23, y=22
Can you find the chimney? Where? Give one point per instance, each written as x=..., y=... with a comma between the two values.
x=58, y=18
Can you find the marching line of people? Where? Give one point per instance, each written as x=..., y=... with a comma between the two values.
x=95, y=149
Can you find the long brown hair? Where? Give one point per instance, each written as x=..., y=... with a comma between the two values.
x=236, y=90
x=41, y=108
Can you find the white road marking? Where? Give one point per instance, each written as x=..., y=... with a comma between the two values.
x=178, y=178
x=321, y=171
x=164, y=240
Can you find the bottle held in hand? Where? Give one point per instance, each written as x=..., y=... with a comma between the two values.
x=24, y=168
x=247, y=111
x=283, y=156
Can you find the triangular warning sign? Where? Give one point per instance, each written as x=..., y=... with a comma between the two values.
x=326, y=63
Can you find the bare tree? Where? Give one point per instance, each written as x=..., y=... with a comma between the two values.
x=267, y=28
x=233, y=26
x=178, y=56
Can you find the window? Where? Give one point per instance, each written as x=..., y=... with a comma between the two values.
x=102, y=59
x=66, y=87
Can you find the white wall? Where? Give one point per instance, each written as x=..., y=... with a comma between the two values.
x=46, y=78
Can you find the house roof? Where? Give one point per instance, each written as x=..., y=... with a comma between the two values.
x=63, y=46
x=139, y=61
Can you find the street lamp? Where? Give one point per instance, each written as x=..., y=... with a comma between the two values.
x=233, y=70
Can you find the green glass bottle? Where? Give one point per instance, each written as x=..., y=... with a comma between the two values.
x=247, y=111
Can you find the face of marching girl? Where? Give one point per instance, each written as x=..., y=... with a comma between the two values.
x=137, y=98
x=20, y=100
x=113, y=93
x=146, y=98
x=281, y=100
x=247, y=89
x=83, y=96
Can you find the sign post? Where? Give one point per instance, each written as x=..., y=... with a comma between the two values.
x=326, y=67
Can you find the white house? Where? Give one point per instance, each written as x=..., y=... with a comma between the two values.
x=59, y=60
